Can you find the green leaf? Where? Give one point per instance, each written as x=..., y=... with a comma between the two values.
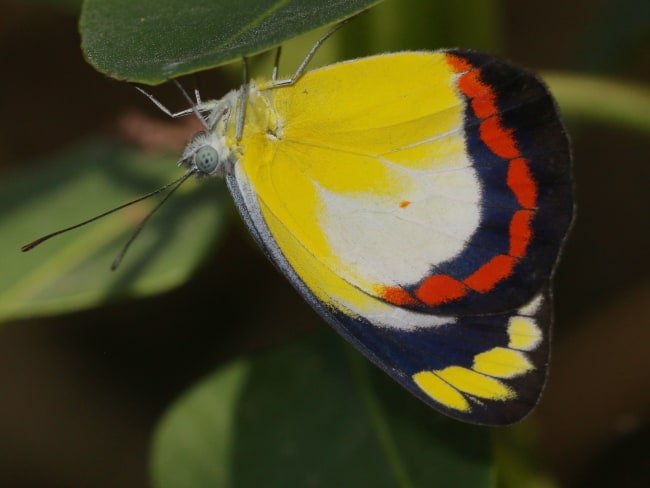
x=150, y=41
x=72, y=271
x=314, y=413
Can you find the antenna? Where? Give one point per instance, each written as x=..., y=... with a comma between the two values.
x=174, y=185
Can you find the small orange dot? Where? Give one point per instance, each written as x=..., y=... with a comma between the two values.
x=404, y=204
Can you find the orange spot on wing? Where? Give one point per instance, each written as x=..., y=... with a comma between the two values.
x=520, y=232
x=521, y=182
x=484, y=106
x=482, y=97
x=458, y=64
x=471, y=85
x=404, y=204
x=398, y=296
x=439, y=289
x=498, y=139
x=483, y=101
x=487, y=276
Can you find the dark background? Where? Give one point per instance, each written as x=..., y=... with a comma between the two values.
x=80, y=394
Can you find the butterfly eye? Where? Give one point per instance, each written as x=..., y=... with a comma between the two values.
x=206, y=159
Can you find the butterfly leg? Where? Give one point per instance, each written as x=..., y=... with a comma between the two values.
x=199, y=106
x=303, y=66
x=243, y=92
x=276, y=64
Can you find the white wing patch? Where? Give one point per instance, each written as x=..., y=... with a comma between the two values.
x=396, y=239
x=381, y=314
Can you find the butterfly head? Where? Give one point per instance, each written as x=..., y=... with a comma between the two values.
x=206, y=155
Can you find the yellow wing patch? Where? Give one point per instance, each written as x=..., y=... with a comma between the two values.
x=349, y=120
x=322, y=160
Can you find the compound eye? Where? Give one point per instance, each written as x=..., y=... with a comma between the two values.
x=206, y=159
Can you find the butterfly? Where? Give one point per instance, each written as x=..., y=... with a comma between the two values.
x=418, y=201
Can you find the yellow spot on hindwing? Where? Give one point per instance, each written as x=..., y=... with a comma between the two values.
x=502, y=363
x=440, y=391
x=475, y=384
x=446, y=386
x=524, y=333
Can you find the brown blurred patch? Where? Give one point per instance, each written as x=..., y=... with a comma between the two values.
x=599, y=388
